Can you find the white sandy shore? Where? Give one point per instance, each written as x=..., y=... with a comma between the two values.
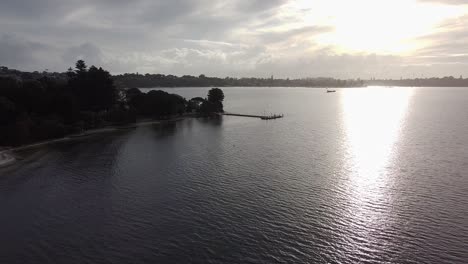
x=7, y=158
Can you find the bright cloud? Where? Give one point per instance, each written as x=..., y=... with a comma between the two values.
x=377, y=26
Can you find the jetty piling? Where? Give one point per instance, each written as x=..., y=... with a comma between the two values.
x=263, y=117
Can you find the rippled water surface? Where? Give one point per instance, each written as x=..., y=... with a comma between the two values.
x=373, y=175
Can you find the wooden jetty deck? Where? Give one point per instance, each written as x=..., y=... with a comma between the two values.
x=263, y=117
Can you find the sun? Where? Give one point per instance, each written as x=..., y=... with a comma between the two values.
x=376, y=26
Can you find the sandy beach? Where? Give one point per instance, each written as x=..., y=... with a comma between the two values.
x=7, y=157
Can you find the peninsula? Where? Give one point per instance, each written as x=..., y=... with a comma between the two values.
x=85, y=101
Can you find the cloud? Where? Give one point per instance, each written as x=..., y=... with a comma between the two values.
x=222, y=37
x=446, y=2
x=16, y=52
x=259, y=5
x=272, y=37
x=86, y=51
x=448, y=44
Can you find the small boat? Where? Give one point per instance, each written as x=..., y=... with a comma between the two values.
x=331, y=91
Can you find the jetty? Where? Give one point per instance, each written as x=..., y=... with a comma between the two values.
x=263, y=117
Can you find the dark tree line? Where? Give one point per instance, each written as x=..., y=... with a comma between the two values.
x=52, y=106
x=129, y=80
x=39, y=109
x=161, y=80
x=36, y=75
x=34, y=110
x=156, y=104
x=94, y=88
x=448, y=81
x=214, y=102
x=161, y=105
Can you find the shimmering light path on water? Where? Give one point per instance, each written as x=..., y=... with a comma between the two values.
x=360, y=176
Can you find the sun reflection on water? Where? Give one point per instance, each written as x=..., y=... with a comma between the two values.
x=373, y=119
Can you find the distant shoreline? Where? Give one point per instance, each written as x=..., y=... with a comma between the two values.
x=130, y=80
x=306, y=87
x=7, y=157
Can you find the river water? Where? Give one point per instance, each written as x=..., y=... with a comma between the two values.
x=370, y=175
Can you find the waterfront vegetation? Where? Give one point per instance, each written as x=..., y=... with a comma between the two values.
x=37, y=109
x=161, y=80
x=37, y=106
x=129, y=80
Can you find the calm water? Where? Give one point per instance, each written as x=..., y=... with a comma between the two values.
x=359, y=176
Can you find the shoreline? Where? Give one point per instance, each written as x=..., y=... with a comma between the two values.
x=7, y=157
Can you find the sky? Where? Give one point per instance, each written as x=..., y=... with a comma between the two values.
x=240, y=38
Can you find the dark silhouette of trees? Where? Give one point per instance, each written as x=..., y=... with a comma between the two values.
x=214, y=103
x=40, y=106
x=448, y=81
x=208, y=108
x=215, y=95
x=7, y=111
x=157, y=104
x=36, y=107
x=194, y=104
x=80, y=66
x=94, y=88
x=33, y=110
x=132, y=92
x=160, y=80
x=70, y=73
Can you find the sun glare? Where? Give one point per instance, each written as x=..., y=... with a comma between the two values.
x=373, y=119
x=376, y=26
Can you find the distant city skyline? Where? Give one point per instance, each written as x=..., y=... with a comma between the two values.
x=285, y=38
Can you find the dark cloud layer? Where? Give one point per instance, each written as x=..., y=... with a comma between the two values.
x=18, y=52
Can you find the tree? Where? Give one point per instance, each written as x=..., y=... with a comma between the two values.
x=135, y=99
x=80, y=66
x=70, y=73
x=194, y=104
x=7, y=111
x=215, y=101
x=208, y=107
x=94, y=88
x=215, y=95
x=36, y=107
x=132, y=92
x=157, y=104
